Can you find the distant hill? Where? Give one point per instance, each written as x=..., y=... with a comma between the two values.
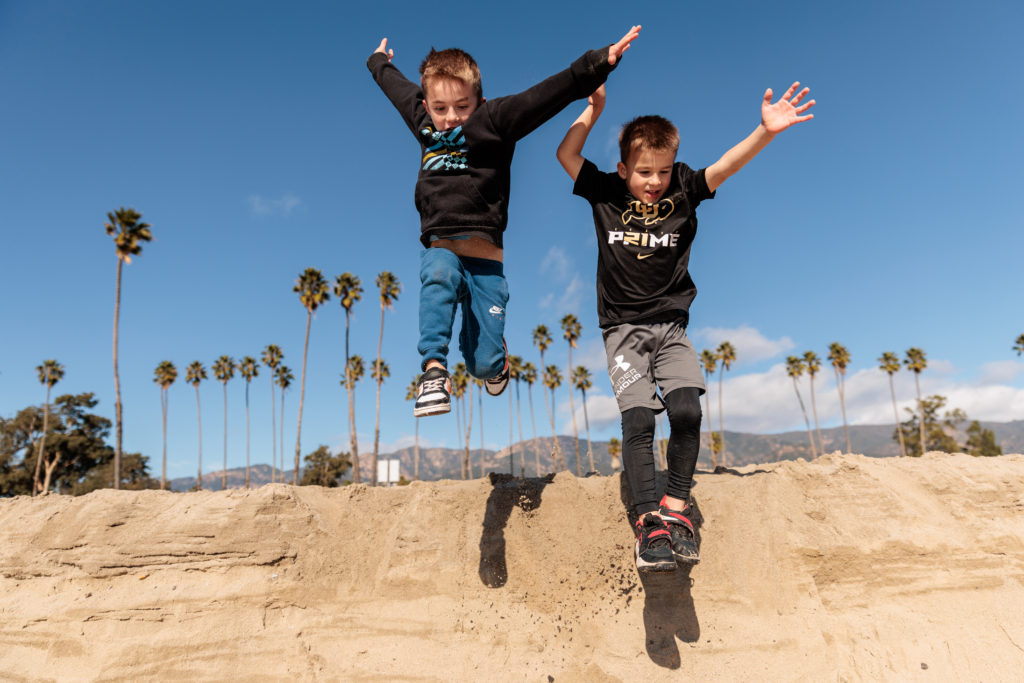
x=741, y=449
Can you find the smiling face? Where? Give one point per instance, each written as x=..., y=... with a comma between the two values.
x=647, y=173
x=449, y=102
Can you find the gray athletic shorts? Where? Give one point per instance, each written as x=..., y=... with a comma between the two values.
x=643, y=358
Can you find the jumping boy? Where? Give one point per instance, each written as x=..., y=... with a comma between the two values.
x=462, y=193
x=646, y=221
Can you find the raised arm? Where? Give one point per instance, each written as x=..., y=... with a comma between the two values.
x=515, y=116
x=405, y=95
x=570, y=151
x=775, y=118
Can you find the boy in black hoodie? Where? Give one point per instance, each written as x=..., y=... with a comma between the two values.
x=462, y=193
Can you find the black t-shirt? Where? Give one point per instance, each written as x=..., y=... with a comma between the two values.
x=643, y=249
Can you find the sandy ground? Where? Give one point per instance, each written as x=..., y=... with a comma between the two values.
x=844, y=569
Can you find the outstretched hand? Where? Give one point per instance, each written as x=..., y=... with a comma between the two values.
x=383, y=49
x=616, y=50
x=779, y=116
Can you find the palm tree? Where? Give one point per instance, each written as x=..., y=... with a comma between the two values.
x=615, y=451
x=194, y=374
x=479, y=384
x=795, y=368
x=389, y=288
x=379, y=373
x=248, y=369
x=726, y=354
x=813, y=364
x=710, y=362
x=410, y=395
x=840, y=358
x=349, y=290
x=313, y=291
x=460, y=383
x=164, y=376
x=542, y=340
x=515, y=370
x=283, y=377
x=581, y=380
x=128, y=231
x=571, y=331
x=916, y=362
x=354, y=371
x=552, y=380
x=50, y=372
x=224, y=370
x=272, y=357
x=529, y=375
x=889, y=363
x=1018, y=345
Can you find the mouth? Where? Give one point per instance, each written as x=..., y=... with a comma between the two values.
x=651, y=196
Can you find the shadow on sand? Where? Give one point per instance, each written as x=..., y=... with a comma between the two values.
x=507, y=492
x=668, y=606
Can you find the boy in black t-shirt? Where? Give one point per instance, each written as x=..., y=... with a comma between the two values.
x=646, y=221
x=462, y=192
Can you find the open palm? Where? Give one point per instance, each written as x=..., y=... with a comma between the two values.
x=788, y=110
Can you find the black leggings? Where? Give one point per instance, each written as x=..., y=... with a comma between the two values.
x=684, y=416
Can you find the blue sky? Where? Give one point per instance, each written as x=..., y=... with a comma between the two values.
x=252, y=138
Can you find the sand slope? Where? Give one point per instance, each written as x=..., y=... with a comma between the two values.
x=845, y=568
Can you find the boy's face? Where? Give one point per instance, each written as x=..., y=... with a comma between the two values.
x=449, y=102
x=647, y=173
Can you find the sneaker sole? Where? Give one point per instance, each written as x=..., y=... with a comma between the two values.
x=655, y=567
x=426, y=411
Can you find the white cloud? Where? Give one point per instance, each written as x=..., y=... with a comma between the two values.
x=1000, y=371
x=557, y=263
x=568, y=299
x=751, y=346
x=262, y=206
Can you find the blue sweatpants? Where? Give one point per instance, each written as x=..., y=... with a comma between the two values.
x=479, y=285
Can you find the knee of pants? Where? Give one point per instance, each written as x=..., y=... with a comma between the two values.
x=684, y=408
x=637, y=426
x=440, y=267
x=484, y=366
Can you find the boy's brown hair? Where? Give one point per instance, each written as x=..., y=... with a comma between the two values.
x=648, y=132
x=451, y=63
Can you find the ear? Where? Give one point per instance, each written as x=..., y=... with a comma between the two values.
x=425, y=104
x=482, y=100
x=621, y=167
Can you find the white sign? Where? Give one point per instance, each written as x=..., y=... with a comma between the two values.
x=387, y=471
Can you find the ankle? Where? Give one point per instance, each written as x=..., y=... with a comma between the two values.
x=434, y=364
x=674, y=504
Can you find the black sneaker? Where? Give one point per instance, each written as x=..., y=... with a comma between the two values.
x=496, y=385
x=653, y=550
x=433, y=393
x=684, y=540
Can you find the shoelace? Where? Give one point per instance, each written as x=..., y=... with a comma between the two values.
x=433, y=385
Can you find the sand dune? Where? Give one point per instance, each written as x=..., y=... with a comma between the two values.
x=845, y=568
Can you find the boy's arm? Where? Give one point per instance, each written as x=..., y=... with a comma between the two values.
x=775, y=118
x=515, y=116
x=570, y=151
x=403, y=93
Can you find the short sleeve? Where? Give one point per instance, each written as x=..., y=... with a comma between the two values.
x=588, y=182
x=694, y=184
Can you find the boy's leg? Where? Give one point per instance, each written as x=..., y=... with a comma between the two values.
x=442, y=284
x=483, y=319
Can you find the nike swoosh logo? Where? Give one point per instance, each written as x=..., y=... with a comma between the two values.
x=641, y=257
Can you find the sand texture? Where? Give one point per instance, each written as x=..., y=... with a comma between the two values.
x=842, y=569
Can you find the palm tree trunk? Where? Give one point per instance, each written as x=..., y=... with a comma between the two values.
x=806, y=421
x=224, y=471
x=480, y=404
x=50, y=467
x=457, y=406
x=519, y=419
x=556, y=448
x=841, y=389
x=118, y=429
x=163, y=410
x=572, y=411
x=376, y=430
x=351, y=391
x=721, y=430
x=280, y=476
x=814, y=409
x=711, y=439
x=920, y=411
x=42, y=438
x=896, y=416
x=273, y=434
x=469, y=429
x=199, y=422
x=586, y=421
x=246, y=433
x=302, y=400
x=511, y=437
x=533, y=424
x=416, y=454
